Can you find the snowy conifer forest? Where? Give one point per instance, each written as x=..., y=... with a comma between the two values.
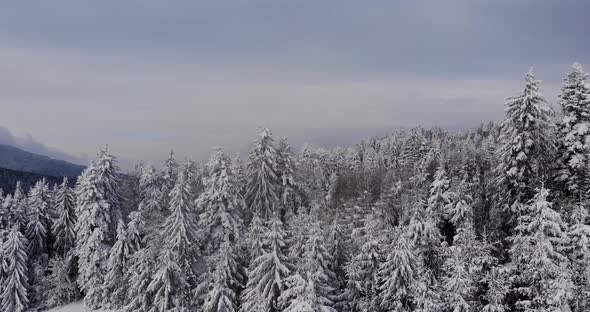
x=490, y=219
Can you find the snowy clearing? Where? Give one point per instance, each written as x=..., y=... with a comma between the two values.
x=74, y=307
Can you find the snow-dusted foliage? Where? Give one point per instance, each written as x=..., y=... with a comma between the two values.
x=61, y=284
x=267, y=273
x=526, y=150
x=115, y=283
x=574, y=130
x=63, y=227
x=97, y=211
x=225, y=282
x=180, y=230
x=221, y=204
x=38, y=226
x=15, y=282
x=289, y=189
x=398, y=276
x=542, y=277
x=168, y=284
x=263, y=185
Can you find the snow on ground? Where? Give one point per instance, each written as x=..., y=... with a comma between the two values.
x=74, y=307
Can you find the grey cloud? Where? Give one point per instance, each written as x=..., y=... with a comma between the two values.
x=29, y=144
x=147, y=76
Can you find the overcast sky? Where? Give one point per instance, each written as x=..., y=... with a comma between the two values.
x=148, y=76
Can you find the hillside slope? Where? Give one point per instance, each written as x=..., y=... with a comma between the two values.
x=16, y=159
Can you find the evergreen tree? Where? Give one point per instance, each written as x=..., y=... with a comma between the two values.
x=226, y=282
x=221, y=204
x=63, y=288
x=439, y=194
x=255, y=238
x=579, y=255
x=262, y=191
x=115, y=283
x=142, y=269
x=169, y=178
x=289, y=188
x=574, y=131
x=168, y=284
x=458, y=282
x=180, y=230
x=15, y=286
x=267, y=272
x=63, y=227
x=541, y=277
x=398, y=276
x=526, y=149
x=18, y=208
x=317, y=268
x=97, y=212
x=498, y=289
x=38, y=224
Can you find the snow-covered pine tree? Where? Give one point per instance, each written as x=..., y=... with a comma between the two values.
x=168, y=284
x=255, y=238
x=267, y=272
x=398, y=276
x=109, y=184
x=337, y=247
x=362, y=272
x=439, y=194
x=425, y=235
x=97, y=212
x=262, y=190
x=579, y=254
x=574, y=131
x=226, y=281
x=143, y=266
x=63, y=227
x=37, y=226
x=221, y=204
x=18, y=208
x=541, y=276
x=498, y=288
x=458, y=285
x=169, y=177
x=5, y=218
x=62, y=285
x=317, y=268
x=15, y=286
x=180, y=230
x=289, y=190
x=115, y=282
x=298, y=296
x=460, y=211
x=149, y=215
x=526, y=148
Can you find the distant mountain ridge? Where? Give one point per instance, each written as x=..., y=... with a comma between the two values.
x=17, y=159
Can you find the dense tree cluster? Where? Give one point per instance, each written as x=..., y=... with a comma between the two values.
x=493, y=219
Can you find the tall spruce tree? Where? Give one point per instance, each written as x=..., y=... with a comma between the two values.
x=115, y=283
x=541, y=277
x=98, y=213
x=267, y=272
x=525, y=152
x=226, y=282
x=263, y=186
x=574, y=132
x=63, y=227
x=221, y=204
x=398, y=276
x=180, y=231
x=15, y=285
